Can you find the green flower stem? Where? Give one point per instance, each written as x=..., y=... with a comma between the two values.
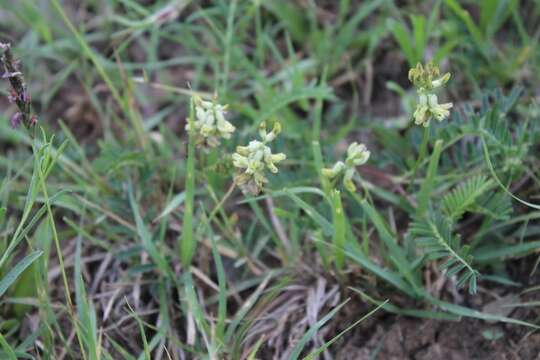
x=315, y=140
x=211, y=161
x=359, y=199
x=41, y=178
x=187, y=245
x=219, y=205
x=254, y=265
x=317, y=156
x=340, y=229
x=421, y=155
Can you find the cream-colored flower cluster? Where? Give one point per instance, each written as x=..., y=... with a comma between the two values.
x=209, y=124
x=428, y=107
x=357, y=154
x=427, y=79
x=255, y=158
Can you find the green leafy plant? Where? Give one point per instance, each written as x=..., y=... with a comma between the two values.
x=434, y=235
x=464, y=197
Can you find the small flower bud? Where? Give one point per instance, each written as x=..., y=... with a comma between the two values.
x=357, y=154
x=334, y=171
x=15, y=120
x=440, y=81
x=242, y=150
x=262, y=130
x=276, y=128
x=348, y=180
x=275, y=158
x=8, y=74
x=12, y=96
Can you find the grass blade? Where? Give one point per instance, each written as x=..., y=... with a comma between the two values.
x=7, y=349
x=14, y=273
x=146, y=237
x=315, y=353
x=297, y=350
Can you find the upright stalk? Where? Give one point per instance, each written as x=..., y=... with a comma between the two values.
x=315, y=140
x=187, y=245
x=421, y=155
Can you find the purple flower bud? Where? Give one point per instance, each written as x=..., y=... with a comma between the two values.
x=33, y=120
x=26, y=96
x=12, y=96
x=8, y=74
x=15, y=120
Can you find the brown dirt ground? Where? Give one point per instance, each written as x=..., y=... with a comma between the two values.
x=407, y=338
x=386, y=336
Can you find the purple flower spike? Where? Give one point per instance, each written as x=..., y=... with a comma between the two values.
x=15, y=120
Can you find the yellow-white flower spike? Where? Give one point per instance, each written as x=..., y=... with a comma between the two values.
x=210, y=124
x=427, y=80
x=254, y=159
x=357, y=154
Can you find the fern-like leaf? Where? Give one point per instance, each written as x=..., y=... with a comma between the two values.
x=434, y=235
x=463, y=197
x=497, y=206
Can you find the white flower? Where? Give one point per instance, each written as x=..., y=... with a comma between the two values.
x=428, y=107
x=440, y=81
x=427, y=79
x=357, y=154
x=210, y=124
x=255, y=158
x=439, y=111
x=421, y=114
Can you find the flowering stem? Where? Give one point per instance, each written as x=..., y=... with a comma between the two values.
x=367, y=197
x=340, y=225
x=187, y=242
x=222, y=201
x=421, y=155
x=19, y=94
x=315, y=139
